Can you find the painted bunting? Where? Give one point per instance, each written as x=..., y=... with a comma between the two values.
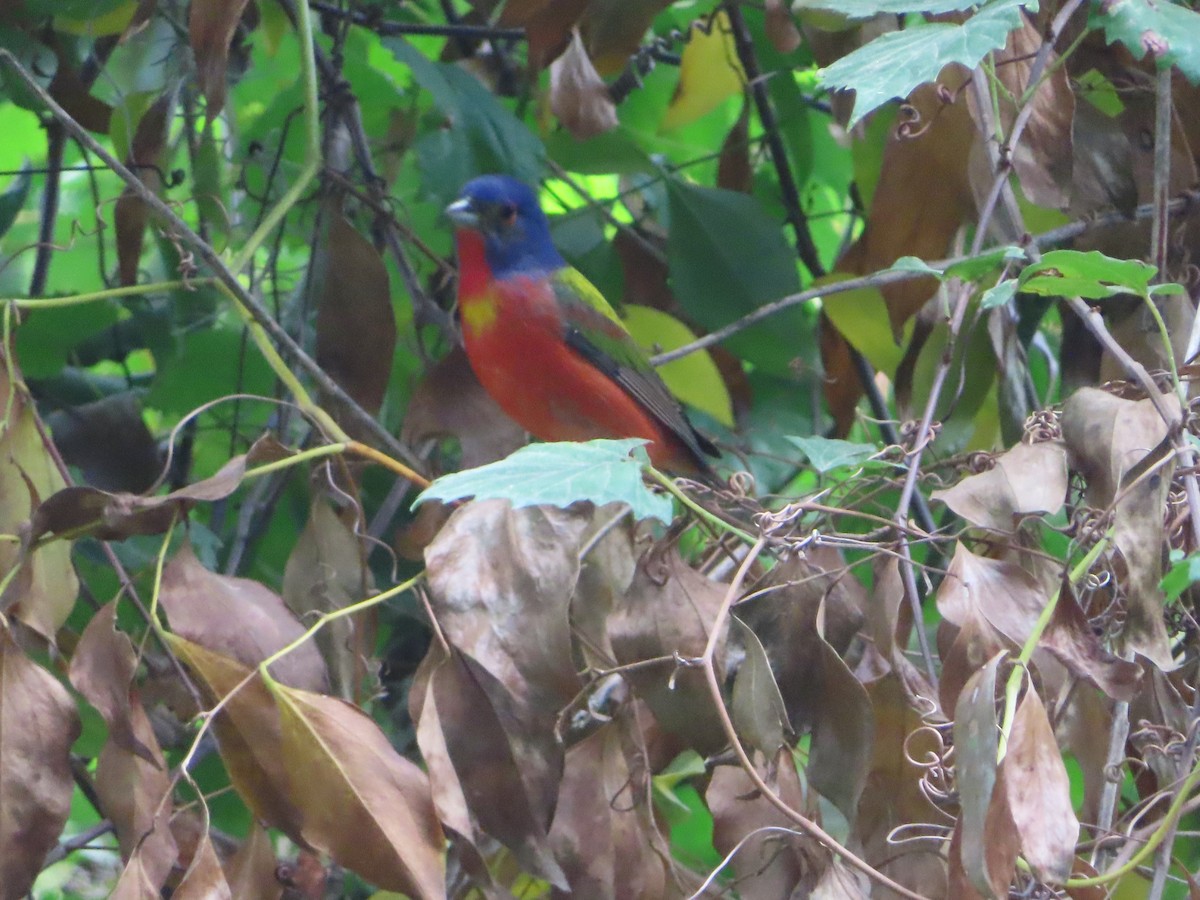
x=544, y=342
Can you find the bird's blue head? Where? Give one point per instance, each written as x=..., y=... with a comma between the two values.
x=516, y=234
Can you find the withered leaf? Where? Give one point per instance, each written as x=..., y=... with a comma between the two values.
x=578, y=96
x=971, y=646
x=490, y=760
x=500, y=583
x=109, y=441
x=604, y=834
x=356, y=325
x=251, y=870
x=131, y=212
x=1070, y=638
x=324, y=572
x=237, y=618
x=1029, y=478
x=135, y=794
x=102, y=669
x=42, y=592
x=988, y=843
x=79, y=511
x=211, y=24
x=1039, y=793
x=1107, y=436
x=204, y=878
x=769, y=864
x=843, y=732
x=1007, y=596
x=613, y=30
x=547, y=24
x=756, y=705
x=38, y=725
x=669, y=609
x=781, y=29
x=248, y=734
x=364, y=804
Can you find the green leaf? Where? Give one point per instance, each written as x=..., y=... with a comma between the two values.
x=694, y=379
x=867, y=9
x=970, y=269
x=483, y=136
x=914, y=264
x=727, y=257
x=1073, y=273
x=559, y=474
x=895, y=63
x=1171, y=33
x=827, y=454
x=998, y=295
x=1182, y=575
x=13, y=199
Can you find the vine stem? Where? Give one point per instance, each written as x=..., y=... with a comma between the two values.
x=715, y=521
x=706, y=662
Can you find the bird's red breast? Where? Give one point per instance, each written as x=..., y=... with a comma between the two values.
x=514, y=331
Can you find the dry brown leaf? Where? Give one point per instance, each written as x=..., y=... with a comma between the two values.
x=42, y=592
x=843, y=733
x=238, y=618
x=1107, y=436
x=76, y=97
x=251, y=870
x=356, y=325
x=781, y=28
x=135, y=795
x=500, y=583
x=109, y=441
x=734, y=171
x=970, y=647
x=668, y=610
x=80, y=511
x=450, y=402
x=38, y=725
x=205, y=879
x=364, y=804
x=248, y=734
x=491, y=761
x=892, y=795
x=578, y=95
x=770, y=864
x=145, y=157
x=1039, y=793
x=1004, y=593
x=1028, y=478
x=987, y=841
x=211, y=24
x=324, y=572
x=756, y=706
x=1043, y=157
x=547, y=24
x=613, y=30
x=604, y=833
x=102, y=669
x=1071, y=639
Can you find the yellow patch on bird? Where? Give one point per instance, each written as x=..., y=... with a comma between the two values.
x=479, y=314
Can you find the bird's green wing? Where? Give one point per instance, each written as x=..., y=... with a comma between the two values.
x=594, y=331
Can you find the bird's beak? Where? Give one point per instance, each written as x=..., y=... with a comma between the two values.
x=463, y=214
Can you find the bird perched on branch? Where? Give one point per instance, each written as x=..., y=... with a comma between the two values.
x=544, y=342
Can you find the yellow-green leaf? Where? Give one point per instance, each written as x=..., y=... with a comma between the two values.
x=694, y=379
x=709, y=74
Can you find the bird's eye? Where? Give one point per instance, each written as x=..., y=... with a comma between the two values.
x=508, y=214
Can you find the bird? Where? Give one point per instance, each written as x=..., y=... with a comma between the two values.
x=546, y=345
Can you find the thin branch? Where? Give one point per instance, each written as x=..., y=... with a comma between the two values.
x=385, y=28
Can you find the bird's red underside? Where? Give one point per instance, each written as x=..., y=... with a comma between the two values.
x=545, y=386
